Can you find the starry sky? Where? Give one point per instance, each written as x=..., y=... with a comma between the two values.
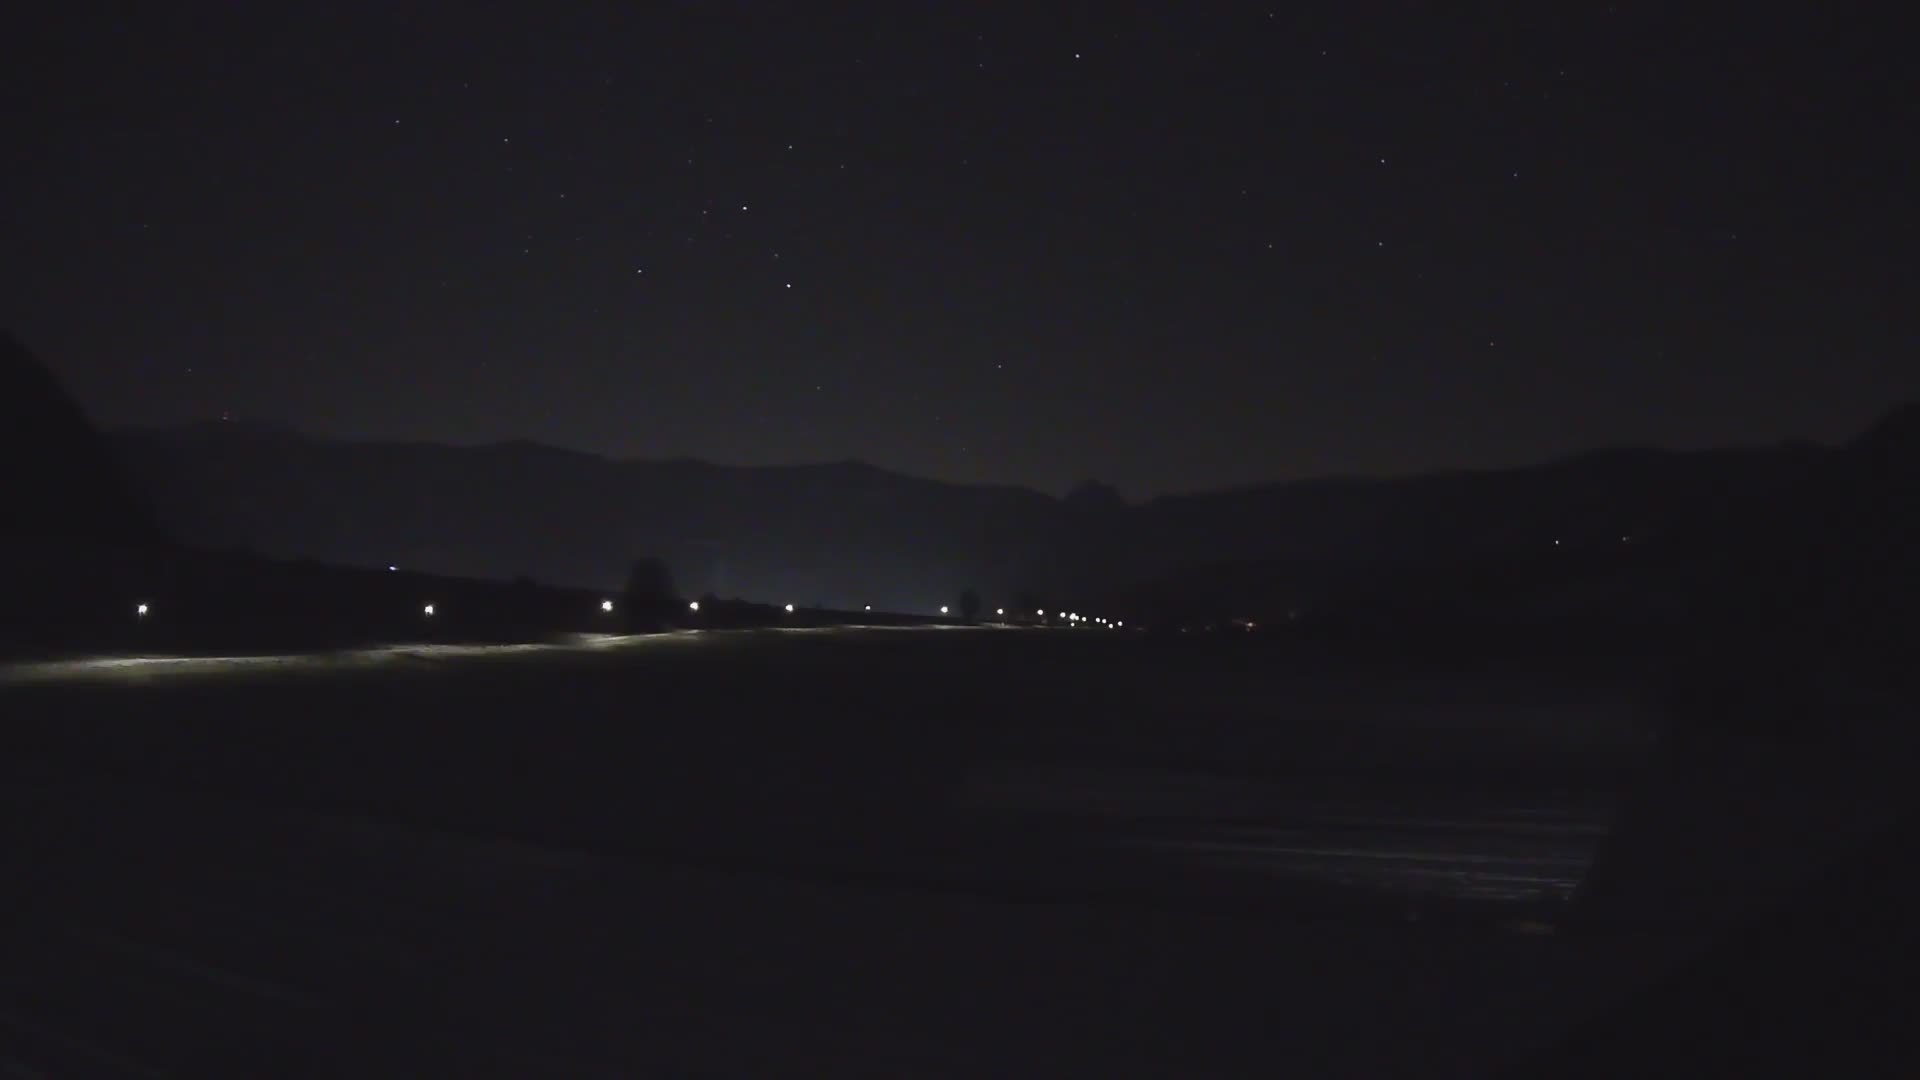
x=1170, y=246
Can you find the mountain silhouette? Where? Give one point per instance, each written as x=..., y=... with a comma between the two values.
x=63, y=485
x=850, y=534
x=1808, y=590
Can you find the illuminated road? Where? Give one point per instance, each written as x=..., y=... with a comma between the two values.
x=836, y=851
x=1326, y=832
x=145, y=667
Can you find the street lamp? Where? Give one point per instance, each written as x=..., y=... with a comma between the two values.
x=943, y=609
x=693, y=605
x=789, y=609
x=606, y=605
x=427, y=611
x=140, y=610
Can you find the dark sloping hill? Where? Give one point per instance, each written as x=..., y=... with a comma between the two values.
x=1808, y=596
x=849, y=534
x=62, y=483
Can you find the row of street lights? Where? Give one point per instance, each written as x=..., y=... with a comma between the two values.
x=143, y=609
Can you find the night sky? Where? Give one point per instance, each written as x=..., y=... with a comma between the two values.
x=1170, y=246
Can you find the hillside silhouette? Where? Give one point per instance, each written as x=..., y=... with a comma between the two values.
x=63, y=485
x=850, y=534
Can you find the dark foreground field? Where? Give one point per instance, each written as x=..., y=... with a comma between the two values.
x=908, y=852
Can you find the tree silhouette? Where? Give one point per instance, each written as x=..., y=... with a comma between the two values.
x=969, y=604
x=649, y=599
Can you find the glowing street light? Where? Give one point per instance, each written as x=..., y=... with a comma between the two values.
x=140, y=610
x=693, y=605
x=1042, y=614
x=606, y=605
x=427, y=611
x=391, y=568
x=999, y=611
x=943, y=609
x=789, y=609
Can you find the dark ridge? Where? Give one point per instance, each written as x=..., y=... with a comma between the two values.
x=61, y=481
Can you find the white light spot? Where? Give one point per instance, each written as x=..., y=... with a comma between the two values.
x=427, y=611
x=391, y=568
x=999, y=611
x=606, y=605
x=789, y=609
x=140, y=609
x=693, y=605
x=943, y=609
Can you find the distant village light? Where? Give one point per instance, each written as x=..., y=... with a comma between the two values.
x=140, y=610
x=943, y=609
x=427, y=611
x=999, y=611
x=606, y=605
x=693, y=605
x=789, y=609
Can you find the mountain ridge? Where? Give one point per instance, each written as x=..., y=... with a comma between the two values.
x=849, y=532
